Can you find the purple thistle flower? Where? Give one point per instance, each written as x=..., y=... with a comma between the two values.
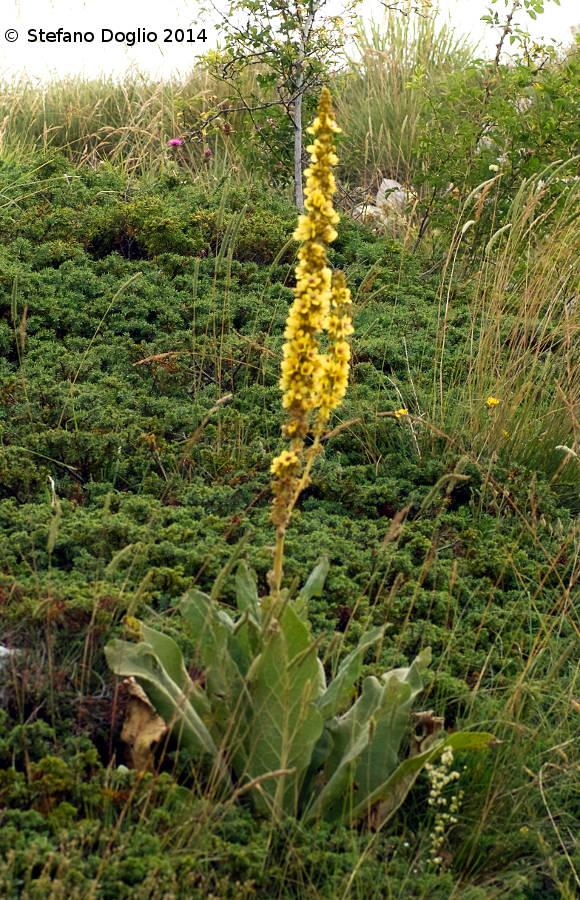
x=174, y=142
x=207, y=153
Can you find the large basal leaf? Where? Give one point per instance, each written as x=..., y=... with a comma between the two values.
x=172, y=703
x=171, y=658
x=248, y=628
x=207, y=611
x=366, y=740
x=387, y=797
x=212, y=630
x=286, y=724
x=340, y=690
x=313, y=586
x=225, y=658
x=315, y=582
x=247, y=592
x=391, y=722
x=350, y=735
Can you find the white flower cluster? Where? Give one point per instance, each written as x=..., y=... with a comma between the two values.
x=445, y=810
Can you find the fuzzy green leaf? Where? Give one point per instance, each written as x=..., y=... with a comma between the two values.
x=390, y=724
x=391, y=793
x=367, y=738
x=315, y=582
x=174, y=704
x=339, y=691
x=247, y=591
x=350, y=736
x=216, y=646
x=286, y=724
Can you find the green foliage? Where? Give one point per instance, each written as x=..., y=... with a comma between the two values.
x=517, y=119
x=510, y=27
x=272, y=715
x=153, y=484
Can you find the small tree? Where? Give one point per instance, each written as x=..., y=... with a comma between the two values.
x=296, y=45
x=535, y=54
x=293, y=44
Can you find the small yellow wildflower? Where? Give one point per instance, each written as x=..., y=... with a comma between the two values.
x=284, y=461
x=403, y=411
x=505, y=433
x=492, y=401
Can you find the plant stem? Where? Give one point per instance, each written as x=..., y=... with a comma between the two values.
x=298, y=192
x=278, y=568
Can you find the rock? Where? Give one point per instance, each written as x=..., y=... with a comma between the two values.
x=391, y=196
x=484, y=143
x=522, y=104
x=365, y=211
x=5, y=654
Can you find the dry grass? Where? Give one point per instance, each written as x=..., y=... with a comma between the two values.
x=523, y=347
x=127, y=124
x=379, y=108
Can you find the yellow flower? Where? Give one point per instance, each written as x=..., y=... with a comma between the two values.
x=336, y=363
x=133, y=627
x=403, y=411
x=492, y=401
x=282, y=462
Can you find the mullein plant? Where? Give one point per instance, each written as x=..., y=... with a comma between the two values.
x=264, y=721
x=314, y=383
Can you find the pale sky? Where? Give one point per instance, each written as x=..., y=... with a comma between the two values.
x=154, y=55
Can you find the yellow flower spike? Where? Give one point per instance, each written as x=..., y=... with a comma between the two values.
x=313, y=383
x=303, y=368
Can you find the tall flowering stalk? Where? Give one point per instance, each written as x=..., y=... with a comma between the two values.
x=313, y=382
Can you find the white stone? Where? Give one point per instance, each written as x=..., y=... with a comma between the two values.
x=5, y=654
x=365, y=211
x=391, y=195
x=484, y=143
x=522, y=104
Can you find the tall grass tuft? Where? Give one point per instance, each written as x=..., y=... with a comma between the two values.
x=126, y=123
x=380, y=103
x=518, y=389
